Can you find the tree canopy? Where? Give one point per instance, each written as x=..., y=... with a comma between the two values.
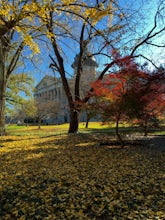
x=73, y=26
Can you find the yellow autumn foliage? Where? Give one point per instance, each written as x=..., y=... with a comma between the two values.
x=5, y=11
x=21, y=19
x=23, y=16
x=68, y=2
x=96, y=14
x=32, y=45
x=72, y=177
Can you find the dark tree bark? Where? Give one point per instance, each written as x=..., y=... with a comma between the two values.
x=3, y=84
x=87, y=122
x=117, y=132
x=2, y=106
x=39, y=123
x=74, y=121
x=145, y=127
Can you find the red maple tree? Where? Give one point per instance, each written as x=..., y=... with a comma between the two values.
x=151, y=100
x=130, y=92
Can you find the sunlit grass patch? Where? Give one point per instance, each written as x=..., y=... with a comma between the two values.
x=94, y=127
x=34, y=130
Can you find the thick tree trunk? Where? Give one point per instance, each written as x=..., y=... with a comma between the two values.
x=3, y=85
x=2, y=106
x=74, y=122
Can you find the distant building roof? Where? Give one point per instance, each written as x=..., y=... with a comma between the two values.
x=47, y=80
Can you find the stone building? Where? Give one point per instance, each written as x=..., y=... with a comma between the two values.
x=51, y=88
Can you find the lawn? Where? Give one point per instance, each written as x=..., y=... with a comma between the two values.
x=48, y=174
x=94, y=127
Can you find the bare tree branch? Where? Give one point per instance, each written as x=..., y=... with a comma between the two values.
x=150, y=34
x=15, y=58
x=156, y=45
x=146, y=58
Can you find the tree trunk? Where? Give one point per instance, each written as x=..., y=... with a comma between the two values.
x=74, y=122
x=39, y=123
x=118, y=134
x=87, y=122
x=3, y=85
x=2, y=106
x=145, y=128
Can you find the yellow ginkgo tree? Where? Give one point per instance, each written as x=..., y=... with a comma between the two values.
x=16, y=30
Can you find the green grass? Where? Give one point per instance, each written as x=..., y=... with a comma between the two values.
x=14, y=127
x=94, y=127
x=34, y=130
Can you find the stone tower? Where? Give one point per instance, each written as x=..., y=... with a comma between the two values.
x=88, y=71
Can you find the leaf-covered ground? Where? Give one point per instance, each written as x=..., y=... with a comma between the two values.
x=72, y=177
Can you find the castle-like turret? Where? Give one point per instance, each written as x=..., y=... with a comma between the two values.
x=87, y=60
x=88, y=74
x=88, y=68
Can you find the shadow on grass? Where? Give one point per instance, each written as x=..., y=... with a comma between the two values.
x=126, y=130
